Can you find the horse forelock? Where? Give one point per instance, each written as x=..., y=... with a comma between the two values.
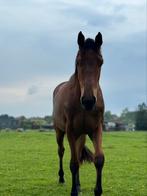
x=90, y=45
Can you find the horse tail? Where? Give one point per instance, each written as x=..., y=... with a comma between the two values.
x=86, y=155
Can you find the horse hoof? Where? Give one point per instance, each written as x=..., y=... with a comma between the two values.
x=74, y=194
x=61, y=180
x=97, y=192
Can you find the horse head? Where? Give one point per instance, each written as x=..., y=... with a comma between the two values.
x=88, y=67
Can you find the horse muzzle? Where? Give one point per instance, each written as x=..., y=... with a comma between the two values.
x=88, y=103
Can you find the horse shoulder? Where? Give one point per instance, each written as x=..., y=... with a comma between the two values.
x=100, y=100
x=56, y=90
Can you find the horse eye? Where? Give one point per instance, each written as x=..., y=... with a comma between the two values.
x=77, y=63
x=100, y=61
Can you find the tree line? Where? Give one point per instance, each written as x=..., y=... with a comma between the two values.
x=137, y=118
x=10, y=122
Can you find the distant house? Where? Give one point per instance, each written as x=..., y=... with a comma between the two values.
x=47, y=127
x=131, y=127
x=115, y=126
x=120, y=126
x=108, y=126
x=20, y=130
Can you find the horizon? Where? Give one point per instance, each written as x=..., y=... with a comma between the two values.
x=42, y=116
x=39, y=45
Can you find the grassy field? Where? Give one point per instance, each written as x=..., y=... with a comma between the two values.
x=29, y=165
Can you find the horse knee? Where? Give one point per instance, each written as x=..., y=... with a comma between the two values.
x=99, y=161
x=61, y=151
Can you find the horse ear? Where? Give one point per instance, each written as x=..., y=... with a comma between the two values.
x=98, y=40
x=81, y=39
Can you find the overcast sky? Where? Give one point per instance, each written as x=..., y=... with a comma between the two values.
x=38, y=45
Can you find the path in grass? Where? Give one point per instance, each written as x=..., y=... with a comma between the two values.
x=29, y=165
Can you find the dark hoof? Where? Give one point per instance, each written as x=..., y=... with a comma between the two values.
x=61, y=180
x=97, y=192
x=74, y=194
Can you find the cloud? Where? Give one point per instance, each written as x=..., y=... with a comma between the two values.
x=95, y=17
x=32, y=90
x=38, y=45
x=123, y=73
x=28, y=99
x=9, y=95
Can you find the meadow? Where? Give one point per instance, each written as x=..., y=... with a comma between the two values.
x=29, y=165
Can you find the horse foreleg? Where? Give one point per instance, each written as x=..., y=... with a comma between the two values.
x=60, y=137
x=78, y=184
x=98, y=159
x=74, y=164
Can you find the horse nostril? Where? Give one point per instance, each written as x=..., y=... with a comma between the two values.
x=88, y=103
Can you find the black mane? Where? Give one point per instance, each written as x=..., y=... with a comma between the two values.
x=90, y=45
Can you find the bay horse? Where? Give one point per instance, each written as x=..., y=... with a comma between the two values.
x=78, y=109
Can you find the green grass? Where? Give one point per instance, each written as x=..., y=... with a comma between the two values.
x=29, y=165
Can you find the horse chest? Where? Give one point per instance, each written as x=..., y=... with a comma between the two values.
x=84, y=123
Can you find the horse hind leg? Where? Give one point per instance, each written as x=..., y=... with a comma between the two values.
x=83, y=154
x=79, y=146
x=60, y=136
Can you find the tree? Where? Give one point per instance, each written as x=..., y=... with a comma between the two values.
x=48, y=119
x=124, y=112
x=128, y=117
x=108, y=116
x=141, y=117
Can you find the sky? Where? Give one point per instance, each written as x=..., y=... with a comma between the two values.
x=38, y=46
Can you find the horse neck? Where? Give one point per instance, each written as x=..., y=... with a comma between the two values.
x=75, y=82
